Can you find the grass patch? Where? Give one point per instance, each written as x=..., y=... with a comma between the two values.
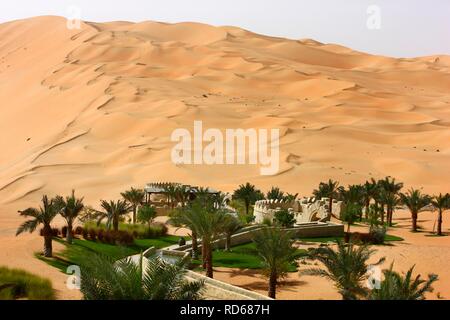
x=390, y=237
x=76, y=253
x=19, y=284
x=243, y=256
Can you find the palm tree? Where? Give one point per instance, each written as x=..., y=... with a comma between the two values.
x=370, y=189
x=290, y=197
x=70, y=208
x=113, y=210
x=390, y=200
x=397, y=287
x=389, y=184
x=181, y=194
x=42, y=215
x=231, y=226
x=347, y=268
x=354, y=197
x=171, y=191
x=104, y=279
x=135, y=197
x=415, y=201
x=249, y=194
x=390, y=188
x=179, y=218
x=441, y=203
x=208, y=220
x=380, y=201
x=146, y=214
x=329, y=189
x=275, y=193
x=274, y=247
x=350, y=213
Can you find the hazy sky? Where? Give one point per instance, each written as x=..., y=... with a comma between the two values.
x=402, y=28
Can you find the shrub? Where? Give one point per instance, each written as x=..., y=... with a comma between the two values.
x=85, y=234
x=78, y=230
x=250, y=218
x=100, y=235
x=358, y=237
x=93, y=234
x=284, y=218
x=24, y=285
x=164, y=229
x=146, y=214
x=124, y=238
x=108, y=238
x=377, y=235
x=136, y=231
x=267, y=222
x=155, y=231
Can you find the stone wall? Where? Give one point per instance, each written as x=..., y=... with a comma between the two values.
x=305, y=209
x=307, y=230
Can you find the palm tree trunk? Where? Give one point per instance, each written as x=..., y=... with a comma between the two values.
x=204, y=255
x=439, y=226
x=134, y=214
x=228, y=242
x=330, y=205
x=388, y=216
x=414, y=221
x=69, y=234
x=48, y=250
x=391, y=214
x=347, y=295
x=116, y=223
x=367, y=209
x=272, y=285
x=194, y=245
x=247, y=206
x=209, y=267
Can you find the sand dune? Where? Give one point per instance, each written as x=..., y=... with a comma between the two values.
x=102, y=101
x=93, y=109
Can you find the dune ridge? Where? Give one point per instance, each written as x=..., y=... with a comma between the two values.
x=93, y=109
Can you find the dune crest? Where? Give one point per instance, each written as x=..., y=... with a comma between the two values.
x=93, y=109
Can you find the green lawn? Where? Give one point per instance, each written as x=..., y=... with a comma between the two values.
x=76, y=253
x=19, y=284
x=243, y=257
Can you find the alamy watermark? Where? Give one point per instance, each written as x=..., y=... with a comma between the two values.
x=74, y=280
x=73, y=18
x=374, y=277
x=232, y=147
x=374, y=19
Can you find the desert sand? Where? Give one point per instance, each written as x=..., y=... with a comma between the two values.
x=92, y=109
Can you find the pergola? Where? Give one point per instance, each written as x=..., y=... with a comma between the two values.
x=161, y=189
